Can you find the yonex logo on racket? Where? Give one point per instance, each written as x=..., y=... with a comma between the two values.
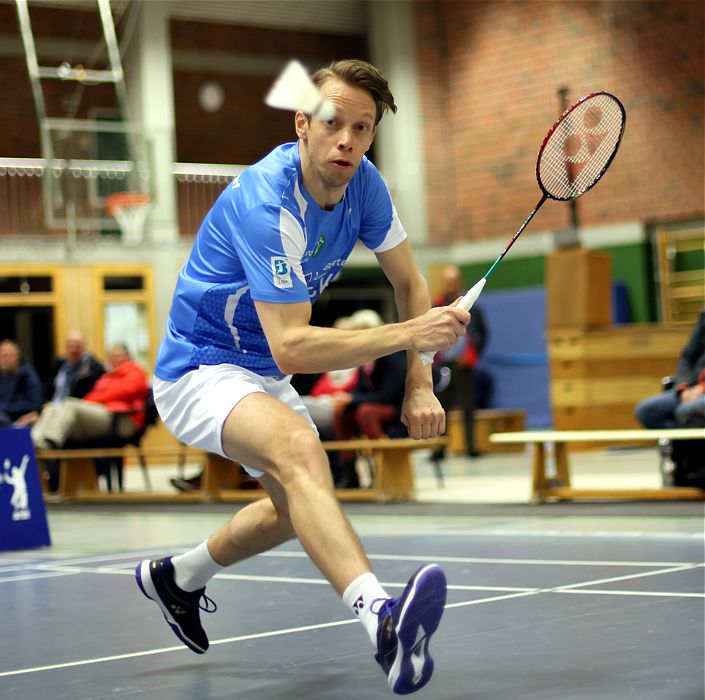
x=580, y=146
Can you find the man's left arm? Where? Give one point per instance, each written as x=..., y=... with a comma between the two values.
x=421, y=412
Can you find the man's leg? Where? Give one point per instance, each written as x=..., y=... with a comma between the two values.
x=72, y=418
x=658, y=411
x=267, y=435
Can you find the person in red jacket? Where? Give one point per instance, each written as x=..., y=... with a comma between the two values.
x=123, y=389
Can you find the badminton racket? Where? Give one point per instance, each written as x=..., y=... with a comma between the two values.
x=575, y=154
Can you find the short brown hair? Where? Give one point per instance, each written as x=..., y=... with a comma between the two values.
x=360, y=74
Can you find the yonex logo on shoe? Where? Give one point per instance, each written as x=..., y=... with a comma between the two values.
x=177, y=609
x=358, y=605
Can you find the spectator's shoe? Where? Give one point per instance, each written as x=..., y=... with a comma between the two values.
x=185, y=485
x=405, y=628
x=180, y=608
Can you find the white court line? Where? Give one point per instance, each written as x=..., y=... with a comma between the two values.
x=657, y=594
x=490, y=560
x=164, y=650
x=564, y=534
x=571, y=588
x=32, y=577
x=338, y=623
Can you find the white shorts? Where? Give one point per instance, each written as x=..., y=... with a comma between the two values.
x=195, y=407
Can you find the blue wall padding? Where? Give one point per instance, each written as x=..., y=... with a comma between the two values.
x=621, y=310
x=516, y=356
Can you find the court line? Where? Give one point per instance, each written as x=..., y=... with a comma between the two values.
x=490, y=560
x=658, y=594
x=58, y=570
x=571, y=587
x=164, y=650
x=285, y=631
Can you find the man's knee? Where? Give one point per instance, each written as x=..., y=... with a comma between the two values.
x=305, y=459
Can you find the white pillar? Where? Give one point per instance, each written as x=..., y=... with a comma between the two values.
x=399, y=142
x=150, y=89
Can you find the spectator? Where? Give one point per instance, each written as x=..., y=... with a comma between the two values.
x=324, y=396
x=462, y=358
x=72, y=375
x=76, y=373
x=373, y=405
x=20, y=386
x=684, y=404
x=123, y=389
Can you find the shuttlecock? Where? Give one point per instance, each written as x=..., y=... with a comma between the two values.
x=294, y=89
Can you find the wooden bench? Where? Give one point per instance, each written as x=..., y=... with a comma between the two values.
x=543, y=488
x=222, y=479
x=487, y=421
x=77, y=474
x=393, y=470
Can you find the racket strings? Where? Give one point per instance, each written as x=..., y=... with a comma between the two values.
x=580, y=147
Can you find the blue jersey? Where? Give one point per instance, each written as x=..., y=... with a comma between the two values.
x=266, y=239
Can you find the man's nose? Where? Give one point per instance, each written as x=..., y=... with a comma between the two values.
x=345, y=138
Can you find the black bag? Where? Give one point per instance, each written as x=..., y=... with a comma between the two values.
x=688, y=458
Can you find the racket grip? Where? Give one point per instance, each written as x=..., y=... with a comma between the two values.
x=466, y=303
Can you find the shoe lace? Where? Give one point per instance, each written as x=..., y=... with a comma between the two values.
x=207, y=604
x=385, y=605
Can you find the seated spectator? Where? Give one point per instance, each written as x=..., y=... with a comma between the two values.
x=684, y=404
x=323, y=398
x=76, y=373
x=72, y=375
x=123, y=389
x=373, y=405
x=20, y=386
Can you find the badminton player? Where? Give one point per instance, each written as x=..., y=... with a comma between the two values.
x=239, y=328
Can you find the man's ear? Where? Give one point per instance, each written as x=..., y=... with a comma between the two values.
x=301, y=124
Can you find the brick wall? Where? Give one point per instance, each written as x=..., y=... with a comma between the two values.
x=490, y=71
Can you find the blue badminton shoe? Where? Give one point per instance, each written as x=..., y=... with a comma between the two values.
x=405, y=628
x=181, y=609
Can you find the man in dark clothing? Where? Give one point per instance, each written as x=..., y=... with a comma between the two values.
x=76, y=373
x=684, y=404
x=462, y=357
x=20, y=386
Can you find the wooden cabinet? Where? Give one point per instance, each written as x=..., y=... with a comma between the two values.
x=598, y=376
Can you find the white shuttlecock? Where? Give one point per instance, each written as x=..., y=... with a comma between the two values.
x=294, y=89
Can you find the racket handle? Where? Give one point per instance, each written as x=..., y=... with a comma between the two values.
x=465, y=303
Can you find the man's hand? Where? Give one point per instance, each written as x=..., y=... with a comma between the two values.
x=27, y=419
x=422, y=413
x=439, y=328
x=692, y=393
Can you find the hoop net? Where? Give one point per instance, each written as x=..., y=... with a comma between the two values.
x=130, y=210
x=580, y=146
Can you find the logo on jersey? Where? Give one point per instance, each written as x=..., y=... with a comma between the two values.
x=319, y=244
x=281, y=273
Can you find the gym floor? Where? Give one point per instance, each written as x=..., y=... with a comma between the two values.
x=555, y=601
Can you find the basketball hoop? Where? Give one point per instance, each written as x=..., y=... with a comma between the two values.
x=130, y=210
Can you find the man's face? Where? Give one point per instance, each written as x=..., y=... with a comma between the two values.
x=452, y=281
x=333, y=149
x=9, y=358
x=74, y=349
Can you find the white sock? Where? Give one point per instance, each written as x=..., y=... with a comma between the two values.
x=194, y=569
x=363, y=596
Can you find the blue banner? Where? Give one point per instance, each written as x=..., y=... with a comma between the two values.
x=23, y=520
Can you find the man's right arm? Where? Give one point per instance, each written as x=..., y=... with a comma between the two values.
x=298, y=347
